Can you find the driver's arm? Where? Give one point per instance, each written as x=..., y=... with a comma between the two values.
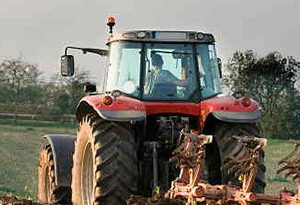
x=181, y=83
x=170, y=78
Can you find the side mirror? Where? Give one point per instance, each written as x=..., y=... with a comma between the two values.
x=67, y=65
x=220, y=66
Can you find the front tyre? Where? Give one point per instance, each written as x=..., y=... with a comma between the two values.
x=105, y=164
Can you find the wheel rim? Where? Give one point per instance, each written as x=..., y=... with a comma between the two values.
x=87, y=175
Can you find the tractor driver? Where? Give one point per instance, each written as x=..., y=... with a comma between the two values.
x=159, y=76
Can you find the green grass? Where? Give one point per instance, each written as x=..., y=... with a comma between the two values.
x=21, y=141
x=276, y=150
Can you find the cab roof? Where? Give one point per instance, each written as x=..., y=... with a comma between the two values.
x=162, y=36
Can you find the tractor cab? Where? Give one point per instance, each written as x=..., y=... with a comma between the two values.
x=154, y=65
x=163, y=65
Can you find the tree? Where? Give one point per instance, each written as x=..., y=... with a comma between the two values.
x=18, y=79
x=20, y=84
x=18, y=73
x=271, y=81
x=68, y=91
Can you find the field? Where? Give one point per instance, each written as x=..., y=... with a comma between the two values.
x=274, y=152
x=21, y=141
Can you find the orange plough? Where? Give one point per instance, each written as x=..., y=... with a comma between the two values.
x=191, y=188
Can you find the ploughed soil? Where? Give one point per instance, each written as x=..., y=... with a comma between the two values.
x=11, y=200
x=134, y=200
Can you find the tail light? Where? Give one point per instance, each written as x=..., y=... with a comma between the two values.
x=107, y=100
x=246, y=102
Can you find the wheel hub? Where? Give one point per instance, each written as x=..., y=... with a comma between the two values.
x=87, y=176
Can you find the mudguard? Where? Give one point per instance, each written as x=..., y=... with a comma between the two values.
x=229, y=109
x=123, y=108
x=63, y=150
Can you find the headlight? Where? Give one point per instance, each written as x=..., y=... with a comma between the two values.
x=200, y=36
x=129, y=35
x=141, y=34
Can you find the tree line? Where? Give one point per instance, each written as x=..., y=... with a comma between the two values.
x=272, y=80
x=22, y=90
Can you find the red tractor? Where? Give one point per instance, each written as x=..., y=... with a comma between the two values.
x=156, y=84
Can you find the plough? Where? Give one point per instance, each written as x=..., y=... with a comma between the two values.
x=191, y=188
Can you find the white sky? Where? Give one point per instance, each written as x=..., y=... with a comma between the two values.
x=39, y=30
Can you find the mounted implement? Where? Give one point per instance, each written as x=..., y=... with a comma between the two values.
x=191, y=187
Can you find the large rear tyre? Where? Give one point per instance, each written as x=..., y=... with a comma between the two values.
x=48, y=192
x=105, y=164
x=224, y=146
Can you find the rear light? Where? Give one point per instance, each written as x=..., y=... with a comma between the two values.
x=246, y=102
x=107, y=100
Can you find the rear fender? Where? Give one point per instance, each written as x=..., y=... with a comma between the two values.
x=229, y=109
x=63, y=150
x=123, y=109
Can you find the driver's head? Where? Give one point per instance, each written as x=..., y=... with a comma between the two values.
x=157, y=60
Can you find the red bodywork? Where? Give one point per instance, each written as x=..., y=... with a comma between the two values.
x=202, y=109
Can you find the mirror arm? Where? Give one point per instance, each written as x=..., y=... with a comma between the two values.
x=100, y=52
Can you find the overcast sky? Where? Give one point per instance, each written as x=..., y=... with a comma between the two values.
x=39, y=30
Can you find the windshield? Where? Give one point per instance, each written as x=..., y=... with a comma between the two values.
x=163, y=71
x=208, y=70
x=124, y=68
x=170, y=72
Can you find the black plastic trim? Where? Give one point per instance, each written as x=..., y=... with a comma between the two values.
x=122, y=115
x=239, y=117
